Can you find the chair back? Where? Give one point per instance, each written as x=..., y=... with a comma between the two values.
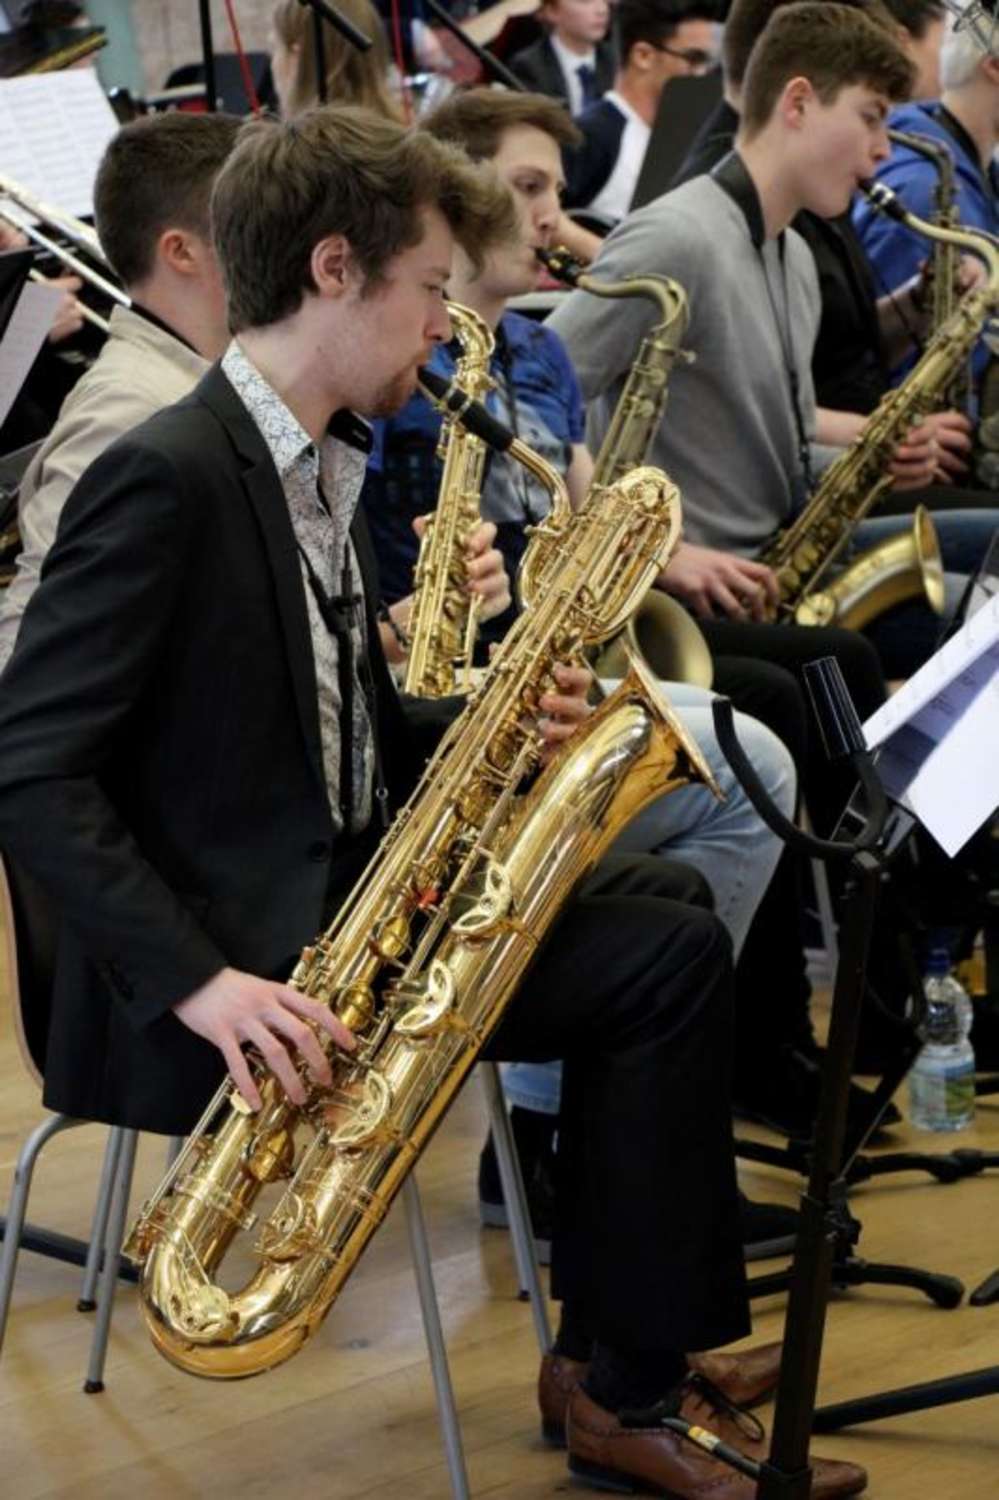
x=30, y=933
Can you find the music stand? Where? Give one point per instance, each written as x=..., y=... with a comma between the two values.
x=785, y=1474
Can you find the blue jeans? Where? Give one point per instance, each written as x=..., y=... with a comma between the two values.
x=725, y=841
x=907, y=635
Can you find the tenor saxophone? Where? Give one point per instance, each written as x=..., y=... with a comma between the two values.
x=803, y=554
x=425, y=954
x=660, y=629
x=445, y=617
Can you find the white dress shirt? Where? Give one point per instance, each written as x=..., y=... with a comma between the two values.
x=614, y=198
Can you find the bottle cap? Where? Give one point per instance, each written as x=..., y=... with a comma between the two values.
x=938, y=962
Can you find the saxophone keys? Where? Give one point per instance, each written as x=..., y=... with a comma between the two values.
x=431, y=1003
x=356, y=1114
x=479, y=907
x=270, y=1155
x=292, y=1230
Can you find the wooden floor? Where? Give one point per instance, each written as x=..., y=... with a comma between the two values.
x=353, y=1415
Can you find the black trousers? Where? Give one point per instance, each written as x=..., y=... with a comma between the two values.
x=632, y=989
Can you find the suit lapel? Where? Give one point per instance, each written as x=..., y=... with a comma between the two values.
x=260, y=481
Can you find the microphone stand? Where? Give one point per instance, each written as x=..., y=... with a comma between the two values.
x=322, y=12
x=492, y=64
x=208, y=55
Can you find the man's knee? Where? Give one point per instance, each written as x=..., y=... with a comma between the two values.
x=649, y=875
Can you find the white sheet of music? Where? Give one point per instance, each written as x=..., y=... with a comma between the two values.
x=53, y=131
x=29, y=323
x=939, y=734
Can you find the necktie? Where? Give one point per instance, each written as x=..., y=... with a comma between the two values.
x=587, y=76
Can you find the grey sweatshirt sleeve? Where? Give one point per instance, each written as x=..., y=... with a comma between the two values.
x=602, y=334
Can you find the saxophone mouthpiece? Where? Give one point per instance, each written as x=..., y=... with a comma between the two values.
x=472, y=415
x=884, y=200
x=560, y=263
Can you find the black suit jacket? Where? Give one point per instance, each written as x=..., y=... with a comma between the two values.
x=160, y=756
x=589, y=165
x=538, y=69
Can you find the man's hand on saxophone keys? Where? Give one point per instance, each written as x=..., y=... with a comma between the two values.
x=233, y=1010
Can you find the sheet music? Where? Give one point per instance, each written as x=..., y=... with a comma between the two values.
x=939, y=734
x=53, y=131
x=33, y=316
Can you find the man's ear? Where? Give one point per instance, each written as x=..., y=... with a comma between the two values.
x=178, y=249
x=332, y=265
x=641, y=56
x=796, y=95
x=990, y=66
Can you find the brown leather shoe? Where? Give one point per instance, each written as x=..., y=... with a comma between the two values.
x=654, y=1460
x=557, y=1379
x=747, y=1378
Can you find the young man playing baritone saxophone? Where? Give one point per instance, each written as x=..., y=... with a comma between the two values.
x=173, y=766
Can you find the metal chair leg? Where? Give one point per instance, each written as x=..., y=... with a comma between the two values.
x=517, y=1207
x=436, y=1348
x=99, y=1227
x=18, y=1205
x=112, y=1251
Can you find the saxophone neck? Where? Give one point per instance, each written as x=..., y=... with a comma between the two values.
x=667, y=294
x=976, y=241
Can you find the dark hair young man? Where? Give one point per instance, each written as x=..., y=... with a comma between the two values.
x=574, y=62
x=151, y=201
x=174, y=765
x=657, y=40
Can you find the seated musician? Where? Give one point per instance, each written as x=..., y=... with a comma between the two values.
x=151, y=199
x=865, y=326
x=815, y=101
x=537, y=392
x=176, y=770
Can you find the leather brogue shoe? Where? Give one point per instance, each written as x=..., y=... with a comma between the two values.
x=557, y=1379
x=743, y=1380
x=633, y=1459
x=747, y=1378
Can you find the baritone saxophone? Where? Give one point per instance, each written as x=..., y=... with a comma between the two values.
x=425, y=955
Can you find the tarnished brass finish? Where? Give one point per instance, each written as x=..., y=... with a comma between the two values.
x=804, y=553
x=439, y=930
x=661, y=630
x=445, y=617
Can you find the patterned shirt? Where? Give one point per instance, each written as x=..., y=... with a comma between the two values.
x=313, y=480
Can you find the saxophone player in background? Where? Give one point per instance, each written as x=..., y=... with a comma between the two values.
x=815, y=100
x=180, y=770
x=537, y=391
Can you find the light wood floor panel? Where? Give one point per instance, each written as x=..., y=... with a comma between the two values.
x=353, y=1415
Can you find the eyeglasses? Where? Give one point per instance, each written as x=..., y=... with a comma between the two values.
x=697, y=60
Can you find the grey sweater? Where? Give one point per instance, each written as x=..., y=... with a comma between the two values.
x=728, y=437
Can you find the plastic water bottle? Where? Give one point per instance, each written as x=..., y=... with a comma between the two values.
x=942, y=1080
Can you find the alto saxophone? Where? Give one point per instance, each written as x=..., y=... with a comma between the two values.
x=803, y=553
x=425, y=954
x=445, y=617
x=661, y=629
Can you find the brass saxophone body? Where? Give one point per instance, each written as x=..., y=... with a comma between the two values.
x=661, y=629
x=424, y=956
x=445, y=617
x=804, y=553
